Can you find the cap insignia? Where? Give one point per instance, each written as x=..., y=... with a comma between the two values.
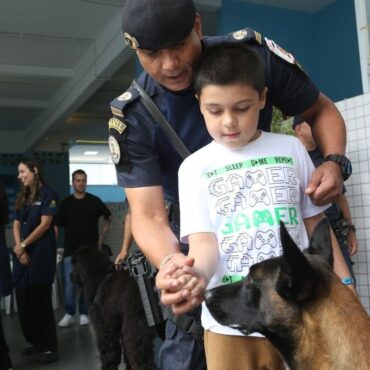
x=131, y=41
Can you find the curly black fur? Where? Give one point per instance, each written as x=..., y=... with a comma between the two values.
x=115, y=310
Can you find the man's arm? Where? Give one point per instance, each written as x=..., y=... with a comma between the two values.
x=150, y=226
x=329, y=132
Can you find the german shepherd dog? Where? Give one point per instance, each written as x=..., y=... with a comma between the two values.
x=116, y=312
x=301, y=306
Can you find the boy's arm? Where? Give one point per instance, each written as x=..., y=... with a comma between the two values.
x=339, y=267
x=203, y=248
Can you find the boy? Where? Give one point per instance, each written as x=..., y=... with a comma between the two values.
x=233, y=194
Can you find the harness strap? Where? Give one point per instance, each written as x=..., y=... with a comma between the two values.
x=162, y=121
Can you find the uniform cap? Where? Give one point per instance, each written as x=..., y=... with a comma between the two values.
x=297, y=121
x=157, y=24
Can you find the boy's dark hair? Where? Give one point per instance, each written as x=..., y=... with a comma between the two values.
x=229, y=64
x=78, y=172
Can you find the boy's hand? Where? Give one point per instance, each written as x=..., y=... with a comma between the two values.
x=171, y=278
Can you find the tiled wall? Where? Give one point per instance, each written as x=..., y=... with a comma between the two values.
x=356, y=113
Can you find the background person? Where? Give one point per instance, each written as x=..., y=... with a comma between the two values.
x=34, y=264
x=5, y=276
x=338, y=213
x=79, y=214
x=167, y=38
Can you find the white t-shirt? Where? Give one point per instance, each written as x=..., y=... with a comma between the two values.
x=241, y=195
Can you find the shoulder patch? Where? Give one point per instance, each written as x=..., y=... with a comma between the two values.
x=279, y=51
x=116, y=124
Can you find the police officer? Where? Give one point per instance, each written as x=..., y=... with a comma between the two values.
x=167, y=38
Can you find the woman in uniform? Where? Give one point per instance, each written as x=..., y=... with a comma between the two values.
x=35, y=263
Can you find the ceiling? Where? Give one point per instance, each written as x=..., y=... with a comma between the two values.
x=62, y=62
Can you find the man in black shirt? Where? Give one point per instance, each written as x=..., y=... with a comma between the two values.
x=79, y=214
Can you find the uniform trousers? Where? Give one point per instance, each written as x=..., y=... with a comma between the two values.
x=5, y=362
x=35, y=311
x=229, y=352
x=181, y=351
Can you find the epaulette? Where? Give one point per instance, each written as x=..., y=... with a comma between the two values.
x=119, y=104
x=249, y=35
x=246, y=35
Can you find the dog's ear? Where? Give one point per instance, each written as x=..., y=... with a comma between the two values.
x=295, y=281
x=320, y=242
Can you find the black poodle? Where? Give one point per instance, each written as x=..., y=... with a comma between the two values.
x=115, y=310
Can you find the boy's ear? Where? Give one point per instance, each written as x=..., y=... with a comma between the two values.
x=263, y=98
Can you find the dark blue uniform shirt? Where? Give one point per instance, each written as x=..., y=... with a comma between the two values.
x=145, y=155
x=42, y=252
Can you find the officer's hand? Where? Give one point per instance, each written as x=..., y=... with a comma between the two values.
x=325, y=184
x=194, y=295
x=168, y=282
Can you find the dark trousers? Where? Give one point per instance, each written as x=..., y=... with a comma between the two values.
x=181, y=351
x=36, y=316
x=5, y=362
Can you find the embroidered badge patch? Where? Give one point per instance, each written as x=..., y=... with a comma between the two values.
x=115, y=150
x=279, y=51
x=116, y=124
x=53, y=204
x=125, y=96
x=240, y=35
